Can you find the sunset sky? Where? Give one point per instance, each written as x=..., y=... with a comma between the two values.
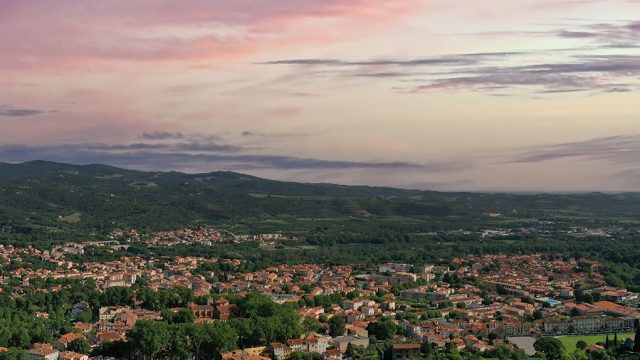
x=497, y=95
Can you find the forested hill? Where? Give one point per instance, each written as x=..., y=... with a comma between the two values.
x=45, y=197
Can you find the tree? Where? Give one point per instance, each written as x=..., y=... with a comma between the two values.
x=337, y=326
x=117, y=295
x=180, y=342
x=580, y=354
x=445, y=304
x=180, y=317
x=217, y=337
x=265, y=321
x=80, y=345
x=382, y=330
x=147, y=338
x=117, y=349
x=355, y=352
x=581, y=344
x=21, y=338
x=551, y=347
x=636, y=339
x=353, y=294
x=599, y=355
x=14, y=354
x=502, y=352
x=303, y=355
x=537, y=314
x=310, y=324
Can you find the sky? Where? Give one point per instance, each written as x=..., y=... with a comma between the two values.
x=463, y=95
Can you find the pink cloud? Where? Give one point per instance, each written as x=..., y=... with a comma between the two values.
x=79, y=34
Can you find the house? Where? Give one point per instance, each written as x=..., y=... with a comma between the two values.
x=595, y=347
x=341, y=342
x=354, y=316
x=516, y=328
x=63, y=342
x=394, y=267
x=356, y=330
x=70, y=355
x=43, y=351
x=107, y=313
x=405, y=351
x=107, y=336
x=259, y=350
x=352, y=304
x=333, y=354
x=617, y=310
x=242, y=355
x=297, y=344
x=619, y=296
x=201, y=311
x=313, y=312
x=224, y=312
x=83, y=327
x=317, y=343
x=368, y=311
x=280, y=351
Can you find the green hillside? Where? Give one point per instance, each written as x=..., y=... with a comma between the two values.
x=48, y=198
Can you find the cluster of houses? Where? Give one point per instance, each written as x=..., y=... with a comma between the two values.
x=199, y=235
x=545, y=229
x=527, y=295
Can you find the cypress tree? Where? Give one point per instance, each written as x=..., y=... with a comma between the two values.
x=606, y=342
x=636, y=339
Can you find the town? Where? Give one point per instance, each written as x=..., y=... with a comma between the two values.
x=475, y=303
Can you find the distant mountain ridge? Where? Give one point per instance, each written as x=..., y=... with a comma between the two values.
x=42, y=196
x=234, y=180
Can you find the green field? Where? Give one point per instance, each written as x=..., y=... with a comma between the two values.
x=71, y=219
x=570, y=341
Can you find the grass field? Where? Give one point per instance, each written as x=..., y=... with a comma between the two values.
x=570, y=341
x=72, y=219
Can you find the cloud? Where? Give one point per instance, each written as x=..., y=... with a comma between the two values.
x=385, y=74
x=609, y=35
x=169, y=137
x=184, y=156
x=161, y=135
x=501, y=71
x=392, y=62
x=620, y=149
x=180, y=146
x=276, y=135
x=576, y=34
x=458, y=59
x=77, y=34
x=605, y=73
x=8, y=111
x=507, y=78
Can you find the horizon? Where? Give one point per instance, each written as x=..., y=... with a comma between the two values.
x=521, y=192
x=537, y=96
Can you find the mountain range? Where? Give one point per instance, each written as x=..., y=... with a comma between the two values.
x=48, y=196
